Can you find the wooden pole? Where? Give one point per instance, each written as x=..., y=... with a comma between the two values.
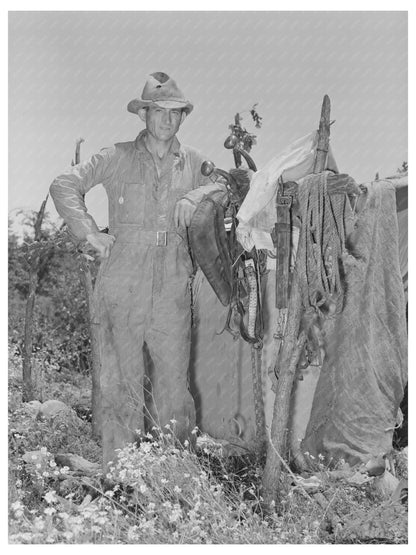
x=292, y=346
x=86, y=278
x=28, y=389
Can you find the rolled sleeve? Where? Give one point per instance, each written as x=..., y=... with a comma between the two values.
x=69, y=188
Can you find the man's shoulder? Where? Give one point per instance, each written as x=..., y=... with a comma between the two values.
x=124, y=146
x=118, y=150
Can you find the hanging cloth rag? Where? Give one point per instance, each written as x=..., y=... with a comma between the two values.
x=364, y=373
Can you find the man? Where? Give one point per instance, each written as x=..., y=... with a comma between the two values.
x=142, y=293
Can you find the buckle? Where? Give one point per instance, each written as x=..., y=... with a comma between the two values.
x=161, y=238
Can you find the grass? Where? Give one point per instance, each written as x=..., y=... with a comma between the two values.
x=159, y=493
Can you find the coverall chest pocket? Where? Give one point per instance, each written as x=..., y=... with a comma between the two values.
x=131, y=203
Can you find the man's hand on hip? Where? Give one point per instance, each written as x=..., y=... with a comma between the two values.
x=184, y=210
x=102, y=243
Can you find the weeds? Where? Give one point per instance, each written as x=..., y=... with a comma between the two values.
x=156, y=492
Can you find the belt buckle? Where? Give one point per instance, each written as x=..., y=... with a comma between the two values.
x=161, y=238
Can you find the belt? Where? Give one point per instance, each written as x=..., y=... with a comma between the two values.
x=132, y=234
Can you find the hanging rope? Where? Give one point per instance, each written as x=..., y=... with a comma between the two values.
x=323, y=237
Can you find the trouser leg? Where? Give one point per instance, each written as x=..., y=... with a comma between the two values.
x=121, y=377
x=169, y=344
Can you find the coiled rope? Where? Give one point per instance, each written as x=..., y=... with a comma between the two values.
x=323, y=238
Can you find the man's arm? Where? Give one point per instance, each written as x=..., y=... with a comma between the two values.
x=203, y=185
x=68, y=191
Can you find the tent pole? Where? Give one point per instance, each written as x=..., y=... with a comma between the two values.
x=293, y=344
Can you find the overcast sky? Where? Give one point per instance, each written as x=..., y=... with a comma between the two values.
x=71, y=74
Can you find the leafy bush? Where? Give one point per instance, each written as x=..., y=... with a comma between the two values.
x=60, y=327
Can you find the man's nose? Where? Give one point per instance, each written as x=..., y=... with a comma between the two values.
x=167, y=117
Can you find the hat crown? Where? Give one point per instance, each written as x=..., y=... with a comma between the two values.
x=161, y=89
x=160, y=86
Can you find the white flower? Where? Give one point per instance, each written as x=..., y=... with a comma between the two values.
x=143, y=488
x=39, y=524
x=49, y=511
x=50, y=497
x=177, y=489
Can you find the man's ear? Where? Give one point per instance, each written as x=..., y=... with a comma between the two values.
x=142, y=114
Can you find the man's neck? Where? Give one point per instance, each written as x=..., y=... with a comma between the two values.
x=159, y=149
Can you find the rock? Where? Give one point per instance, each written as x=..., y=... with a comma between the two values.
x=52, y=408
x=32, y=408
x=376, y=466
x=77, y=463
x=386, y=484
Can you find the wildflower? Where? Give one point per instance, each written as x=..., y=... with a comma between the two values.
x=49, y=511
x=176, y=514
x=17, y=507
x=50, y=497
x=164, y=481
x=109, y=493
x=177, y=489
x=43, y=450
x=52, y=464
x=39, y=524
x=143, y=488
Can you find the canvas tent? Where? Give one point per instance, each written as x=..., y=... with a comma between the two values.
x=221, y=378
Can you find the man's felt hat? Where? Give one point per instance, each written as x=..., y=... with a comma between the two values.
x=162, y=90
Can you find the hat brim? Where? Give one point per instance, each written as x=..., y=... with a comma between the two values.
x=137, y=103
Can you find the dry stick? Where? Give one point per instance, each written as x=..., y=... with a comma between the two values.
x=28, y=390
x=95, y=349
x=291, y=348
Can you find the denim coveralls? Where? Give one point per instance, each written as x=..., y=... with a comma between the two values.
x=142, y=292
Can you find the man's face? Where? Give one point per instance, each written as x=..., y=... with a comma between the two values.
x=163, y=123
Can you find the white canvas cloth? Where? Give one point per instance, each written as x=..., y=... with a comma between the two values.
x=257, y=214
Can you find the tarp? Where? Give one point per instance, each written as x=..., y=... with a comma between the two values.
x=364, y=373
x=257, y=214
